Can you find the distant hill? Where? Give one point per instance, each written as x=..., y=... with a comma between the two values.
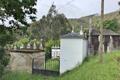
x=95, y=20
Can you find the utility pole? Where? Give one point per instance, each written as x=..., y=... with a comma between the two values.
x=101, y=32
x=119, y=5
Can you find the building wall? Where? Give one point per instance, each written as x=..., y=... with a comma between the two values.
x=23, y=61
x=73, y=52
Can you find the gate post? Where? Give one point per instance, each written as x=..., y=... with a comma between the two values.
x=32, y=65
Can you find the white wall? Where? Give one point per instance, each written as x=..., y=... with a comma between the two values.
x=72, y=53
x=85, y=50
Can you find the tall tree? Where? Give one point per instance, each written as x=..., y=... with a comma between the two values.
x=51, y=26
x=119, y=5
x=16, y=11
x=111, y=24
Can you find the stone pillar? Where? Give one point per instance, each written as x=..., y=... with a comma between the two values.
x=34, y=46
x=28, y=46
x=110, y=45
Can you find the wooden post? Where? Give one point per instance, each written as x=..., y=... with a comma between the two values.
x=101, y=32
x=32, y=65
x=89, y=38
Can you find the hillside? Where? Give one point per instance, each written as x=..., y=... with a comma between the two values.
x=91, y=69
x=95, y=20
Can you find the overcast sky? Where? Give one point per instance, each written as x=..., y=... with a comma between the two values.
x=76, y=8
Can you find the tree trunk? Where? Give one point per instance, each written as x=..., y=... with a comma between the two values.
x=101, y=32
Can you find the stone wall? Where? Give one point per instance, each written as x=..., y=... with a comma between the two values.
x=20, y=61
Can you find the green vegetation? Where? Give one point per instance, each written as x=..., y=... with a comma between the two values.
x=55, y=64
x=14, y=13
x=4, y=59
x=48, y=46
x=111, y=24
x=24, y=76
x=91, y=69
x=5, y=37
x=18, y=10
x=23, y=41
x=110, y=19
x=51, y=26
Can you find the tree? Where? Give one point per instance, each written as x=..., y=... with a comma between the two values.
x=111, y=24
x=4, y=59
x=119, y=5
x=15, y=11
x=51, y=26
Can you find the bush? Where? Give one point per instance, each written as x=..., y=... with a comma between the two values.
x=48, y=46
x=18, y=44
x=111, y=24
x=37, y=42
x=24, y=41
x=4, y=59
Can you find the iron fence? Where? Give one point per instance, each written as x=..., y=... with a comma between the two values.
x=48, y=67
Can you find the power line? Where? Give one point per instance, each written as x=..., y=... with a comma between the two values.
x=69, y=2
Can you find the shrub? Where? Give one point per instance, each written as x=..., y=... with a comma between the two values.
x=18, y=44
x=35, y=41
x=48, y=46
x=4, y=59
x=24, y=41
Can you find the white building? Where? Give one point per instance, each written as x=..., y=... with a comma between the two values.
x=73, y=51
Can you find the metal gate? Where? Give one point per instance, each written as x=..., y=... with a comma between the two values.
x=48, y=67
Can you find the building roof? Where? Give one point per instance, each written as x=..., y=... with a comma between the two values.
x=106, y=32
x=73, y=35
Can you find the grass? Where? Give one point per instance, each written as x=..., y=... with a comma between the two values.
x=25, y=76
x=91, y=69
x=55, y=64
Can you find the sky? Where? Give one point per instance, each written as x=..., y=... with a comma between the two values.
x=76, y=8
